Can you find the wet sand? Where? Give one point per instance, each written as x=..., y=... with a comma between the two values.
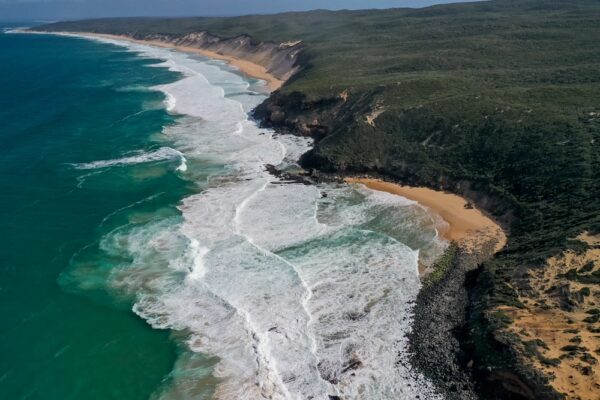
x=468, y=226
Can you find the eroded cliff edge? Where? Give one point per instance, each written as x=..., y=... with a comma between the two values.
x=279, y=59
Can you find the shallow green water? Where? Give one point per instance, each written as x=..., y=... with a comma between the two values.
x=64, y=101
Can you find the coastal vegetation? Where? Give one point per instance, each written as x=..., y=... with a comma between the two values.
x=498, y=101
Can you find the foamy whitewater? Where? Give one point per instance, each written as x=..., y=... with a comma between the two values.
x=299, y=292
x=164, y=153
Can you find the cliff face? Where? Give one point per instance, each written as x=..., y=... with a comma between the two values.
x=354, y=137
x=279, y=59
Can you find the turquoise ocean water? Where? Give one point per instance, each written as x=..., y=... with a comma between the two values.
x=146, y=252
x=65, y=101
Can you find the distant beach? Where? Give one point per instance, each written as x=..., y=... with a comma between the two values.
x=246, y=67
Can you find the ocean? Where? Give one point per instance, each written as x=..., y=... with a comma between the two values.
x=147, y=253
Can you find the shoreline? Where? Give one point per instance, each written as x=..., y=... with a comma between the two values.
x=463, y=226
x=442, y=306
x=439, y=340
x=467, y=225
x=246, y=67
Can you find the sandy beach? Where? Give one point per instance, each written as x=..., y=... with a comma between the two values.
x=246, y=67
x=470, y=227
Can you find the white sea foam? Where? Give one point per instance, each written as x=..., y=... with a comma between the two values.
x=19, y=29
x=299, y=295
x=164, y=153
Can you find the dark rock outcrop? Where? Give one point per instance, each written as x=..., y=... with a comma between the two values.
x=439, y=330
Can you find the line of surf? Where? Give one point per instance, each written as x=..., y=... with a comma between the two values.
x=253, y=295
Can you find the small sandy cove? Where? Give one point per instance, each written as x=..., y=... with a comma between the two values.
x=468, y=226
x=246, y=67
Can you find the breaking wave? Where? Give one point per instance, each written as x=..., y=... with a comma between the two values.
x=299, y=291
x=140, y=157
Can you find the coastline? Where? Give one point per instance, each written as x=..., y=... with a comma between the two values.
x=436, y=341
x=439, y=340
x=246, y=67
x=441, y=307
x=467, y=225
x=505, y=280
x=175, y=48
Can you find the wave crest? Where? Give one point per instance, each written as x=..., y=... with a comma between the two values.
x=140, y=157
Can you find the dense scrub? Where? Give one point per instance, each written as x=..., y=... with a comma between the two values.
x=498, y=101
